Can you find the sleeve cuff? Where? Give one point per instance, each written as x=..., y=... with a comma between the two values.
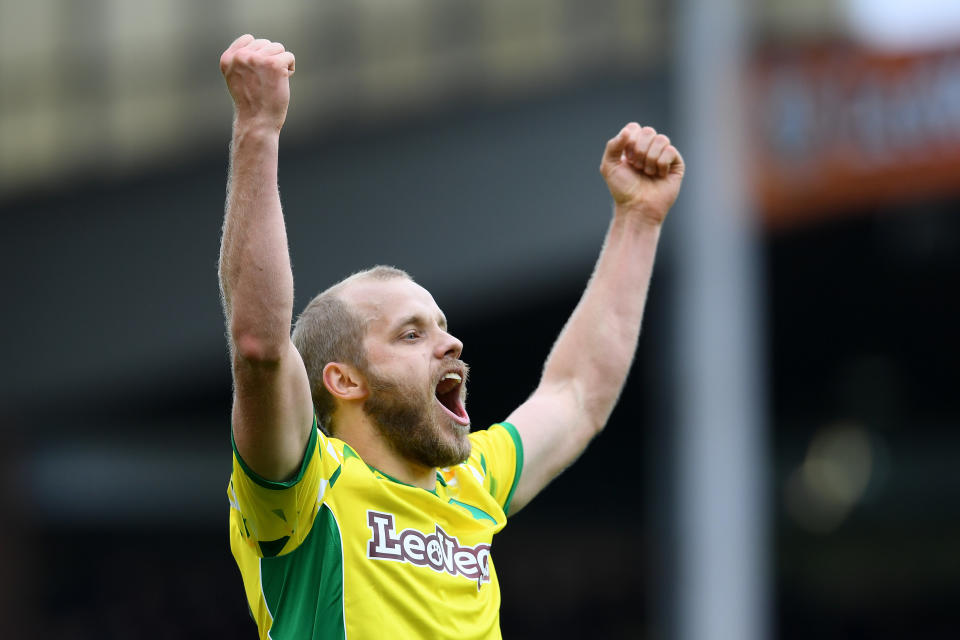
x=271, y=484
x=518, y=445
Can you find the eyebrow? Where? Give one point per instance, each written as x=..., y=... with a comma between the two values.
x=420, y=320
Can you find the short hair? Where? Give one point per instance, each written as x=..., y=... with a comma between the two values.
x=329, y=330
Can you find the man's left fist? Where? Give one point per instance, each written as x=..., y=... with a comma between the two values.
x=643, y=172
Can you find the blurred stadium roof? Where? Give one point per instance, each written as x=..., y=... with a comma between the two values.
x=107, y=87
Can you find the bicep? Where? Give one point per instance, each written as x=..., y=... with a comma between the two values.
x=555, y=429
x=272, y=413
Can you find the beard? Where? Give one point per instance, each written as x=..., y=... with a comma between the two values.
x=416, y=428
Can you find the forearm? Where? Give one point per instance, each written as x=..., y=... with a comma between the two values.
x=255, y=276
x=595, y=350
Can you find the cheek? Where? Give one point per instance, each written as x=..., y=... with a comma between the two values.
x=411, y=370
x=411, y=373
x=416, y=366
x=409, y=367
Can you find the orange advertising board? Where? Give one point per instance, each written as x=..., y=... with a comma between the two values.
x=843, y=129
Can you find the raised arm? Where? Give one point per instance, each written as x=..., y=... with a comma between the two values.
x=272, y=410
x=589, y=362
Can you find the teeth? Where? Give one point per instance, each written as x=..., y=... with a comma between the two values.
x=452, y=376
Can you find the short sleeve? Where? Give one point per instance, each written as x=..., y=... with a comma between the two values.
x=497, y=453
x=275, y=517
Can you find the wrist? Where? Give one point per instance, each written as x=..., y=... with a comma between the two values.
x=255, y=128
x=639, y=216
x=249, y=139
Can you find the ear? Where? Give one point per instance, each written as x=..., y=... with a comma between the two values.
x=344, y=381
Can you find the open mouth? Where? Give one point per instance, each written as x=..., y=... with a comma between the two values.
x=449, y=394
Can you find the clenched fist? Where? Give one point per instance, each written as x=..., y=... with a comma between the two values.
x=258, y=73
x=643, y=172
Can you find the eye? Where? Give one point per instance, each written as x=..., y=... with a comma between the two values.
x=410, y=335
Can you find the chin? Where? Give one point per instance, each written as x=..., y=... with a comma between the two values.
x=456, y=444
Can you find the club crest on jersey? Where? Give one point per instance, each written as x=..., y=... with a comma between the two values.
x=438, y=550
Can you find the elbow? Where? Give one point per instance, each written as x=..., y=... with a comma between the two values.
x=595, y=412
x=257, y=348
x=588, y=409
x=258, y=335
x=595, y=424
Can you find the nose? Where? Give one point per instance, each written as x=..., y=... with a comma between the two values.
x=449, y=346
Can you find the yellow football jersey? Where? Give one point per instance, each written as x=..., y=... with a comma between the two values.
x=345, y=551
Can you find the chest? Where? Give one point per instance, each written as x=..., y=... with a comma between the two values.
x=394, y=531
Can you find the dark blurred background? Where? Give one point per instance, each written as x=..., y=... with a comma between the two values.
x=461, y=142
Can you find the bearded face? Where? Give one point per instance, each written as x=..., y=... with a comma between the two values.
x=413, y=420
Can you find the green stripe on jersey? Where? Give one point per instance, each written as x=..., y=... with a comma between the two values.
x=336, y=474
x=477, y=513
x=518, y=444
x=304, y=589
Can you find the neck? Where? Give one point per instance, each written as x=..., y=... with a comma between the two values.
x=365, y=438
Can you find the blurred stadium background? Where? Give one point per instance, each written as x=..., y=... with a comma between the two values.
x=460, y=141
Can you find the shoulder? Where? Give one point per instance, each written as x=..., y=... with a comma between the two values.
x=499, y=440
x=495, y=461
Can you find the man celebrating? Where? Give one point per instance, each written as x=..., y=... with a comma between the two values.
x=361, y=504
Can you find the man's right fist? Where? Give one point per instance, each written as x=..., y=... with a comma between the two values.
x=258, y=74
